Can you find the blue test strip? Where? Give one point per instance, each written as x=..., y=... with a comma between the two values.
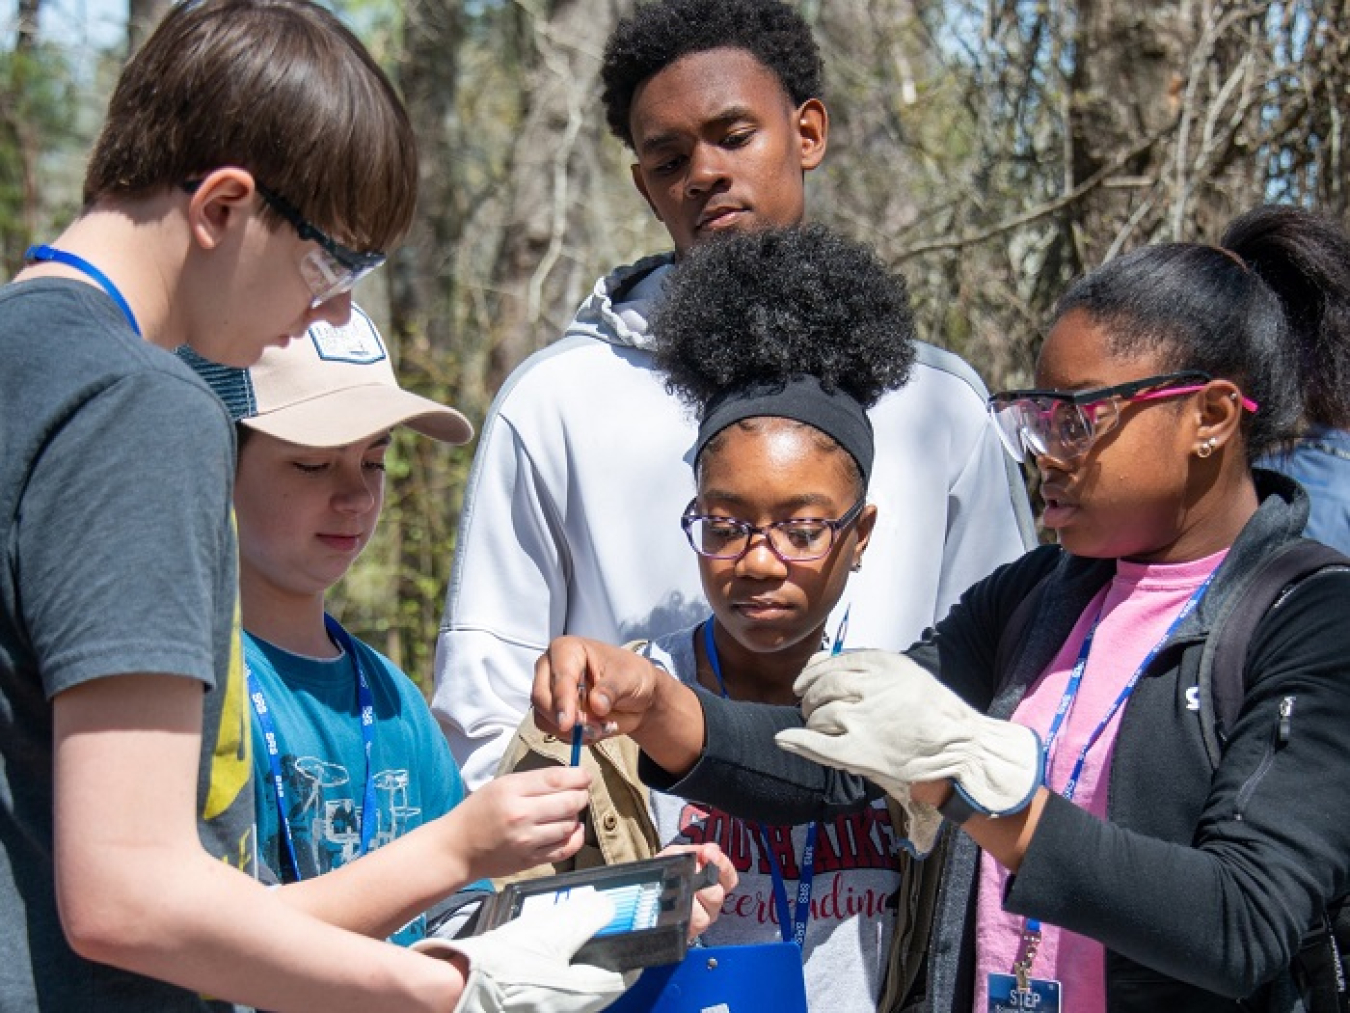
x=840, y=633
x=635, y=907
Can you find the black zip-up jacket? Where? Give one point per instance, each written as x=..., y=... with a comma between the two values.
x=1204, y=880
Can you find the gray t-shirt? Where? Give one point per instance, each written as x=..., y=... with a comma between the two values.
x=116, y=470
x=854, y=886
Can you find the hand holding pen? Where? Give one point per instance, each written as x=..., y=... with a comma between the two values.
x=625, y=694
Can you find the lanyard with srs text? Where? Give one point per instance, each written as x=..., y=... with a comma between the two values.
x=368, y=816
x=798, y=920
x=39, y=254
x=1032, y=932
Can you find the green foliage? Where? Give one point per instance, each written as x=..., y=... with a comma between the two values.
x=989, y=151
x=39, y=100
x=380, y=24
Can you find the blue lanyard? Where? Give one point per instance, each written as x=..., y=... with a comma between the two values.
x=797, y=932
x=38, y=254
x=1071, y=692
x=365, y=702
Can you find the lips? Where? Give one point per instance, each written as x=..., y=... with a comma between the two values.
x=342, y=543
x=720, y=217
x=762, y=608
x=1058, y=506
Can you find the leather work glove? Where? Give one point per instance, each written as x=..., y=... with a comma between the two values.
x=882, y=716
x=923, y=822
x=526, y=964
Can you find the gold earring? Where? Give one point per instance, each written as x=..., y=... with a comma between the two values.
x=1206, y=448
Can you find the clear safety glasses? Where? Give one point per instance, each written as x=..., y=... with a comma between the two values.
x=331, y=269
x=1064, y=424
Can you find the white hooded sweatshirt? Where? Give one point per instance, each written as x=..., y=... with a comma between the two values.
x=584, y=466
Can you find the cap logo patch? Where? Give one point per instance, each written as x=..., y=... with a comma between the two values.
x=358, y=342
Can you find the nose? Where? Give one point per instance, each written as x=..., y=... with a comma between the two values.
x=1045, y=453
x=358, y=490
x=1048, y=462
x=759, y=561
x=707, y=170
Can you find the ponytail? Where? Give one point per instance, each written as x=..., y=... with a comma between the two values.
x=1305, y=259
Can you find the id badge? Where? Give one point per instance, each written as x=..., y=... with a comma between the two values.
x=1041, y=995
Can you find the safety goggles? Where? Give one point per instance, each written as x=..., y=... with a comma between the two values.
x=331, y=269
x=1064, y=424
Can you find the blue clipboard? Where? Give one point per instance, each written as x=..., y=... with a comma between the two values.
x=729, y=979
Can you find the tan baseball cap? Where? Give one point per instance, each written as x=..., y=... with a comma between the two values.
x=331, y=387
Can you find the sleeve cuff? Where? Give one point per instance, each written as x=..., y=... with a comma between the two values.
x=956, y=809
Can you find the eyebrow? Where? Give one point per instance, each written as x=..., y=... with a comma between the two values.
x=794, y=503
x=1081, y=386
x=724, y=118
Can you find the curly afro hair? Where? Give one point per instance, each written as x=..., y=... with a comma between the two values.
x=760, y=307
x=659, y=32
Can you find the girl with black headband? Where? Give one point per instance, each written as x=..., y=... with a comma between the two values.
x=779, y=341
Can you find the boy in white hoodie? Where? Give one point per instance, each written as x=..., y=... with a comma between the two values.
x=719, y=100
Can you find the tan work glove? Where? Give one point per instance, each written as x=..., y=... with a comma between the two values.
x=884, y=717
x=526, y=964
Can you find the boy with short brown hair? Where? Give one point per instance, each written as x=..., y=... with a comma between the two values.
x=254, y=165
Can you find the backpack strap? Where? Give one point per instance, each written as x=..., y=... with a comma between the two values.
x=1014, y=630
x=1223, y=661
x=1320, y=966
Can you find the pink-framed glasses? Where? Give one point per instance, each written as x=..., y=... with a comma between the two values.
x=1064, y=424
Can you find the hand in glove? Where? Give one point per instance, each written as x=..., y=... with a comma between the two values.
x=526, y=964
x=882, y=716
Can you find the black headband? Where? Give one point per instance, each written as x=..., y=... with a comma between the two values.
x=802, y=398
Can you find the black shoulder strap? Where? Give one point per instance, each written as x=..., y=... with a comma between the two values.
x=1014, y=630
x=1224, y=661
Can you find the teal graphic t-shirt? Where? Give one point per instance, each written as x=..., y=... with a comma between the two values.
x=321, y=754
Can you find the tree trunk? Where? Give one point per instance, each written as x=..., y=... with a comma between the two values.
x=20, y=140
x=142, y=16
x=1129, y=73
x=420, y=516
x=26, y=31
x=561, y=192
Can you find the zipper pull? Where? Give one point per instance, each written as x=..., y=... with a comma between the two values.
x=1286, y=713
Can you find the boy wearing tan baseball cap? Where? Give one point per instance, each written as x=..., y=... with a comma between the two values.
x=349, y=762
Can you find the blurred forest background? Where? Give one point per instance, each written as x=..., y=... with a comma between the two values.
x=990, y=149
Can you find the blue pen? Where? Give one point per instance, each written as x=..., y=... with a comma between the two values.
x=576, y=731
